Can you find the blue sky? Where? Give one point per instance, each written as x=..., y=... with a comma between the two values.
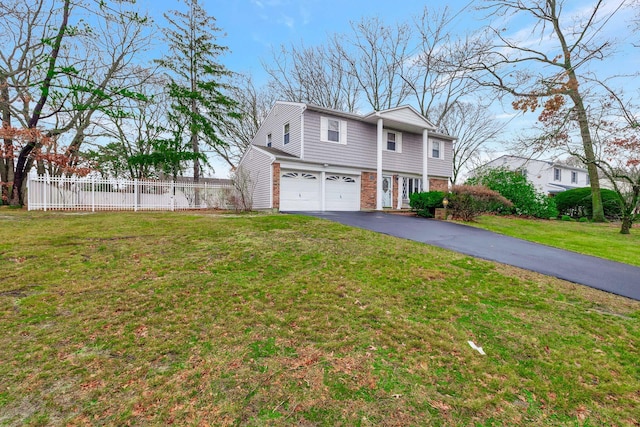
x=253, y=27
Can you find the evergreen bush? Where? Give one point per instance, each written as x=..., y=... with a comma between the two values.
x=424, y=204
x=578, y=203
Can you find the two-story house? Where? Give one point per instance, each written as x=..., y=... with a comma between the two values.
x=547, y=176
x=306, y=158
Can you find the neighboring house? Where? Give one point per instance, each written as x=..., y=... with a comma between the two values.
x=548, y=177
x=306, y=157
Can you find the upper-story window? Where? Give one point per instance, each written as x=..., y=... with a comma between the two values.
x=393, y=141
x=574, y=177
x=588, y=182
x=286, y=134
x=269, y=140
x=557, y=174
x=333, y=130
x=436, y=149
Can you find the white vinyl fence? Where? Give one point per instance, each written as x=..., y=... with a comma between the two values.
x=93, y=194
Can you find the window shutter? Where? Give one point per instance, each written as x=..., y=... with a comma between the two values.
x=324, y=129
x=399, y=142
x=343, y=131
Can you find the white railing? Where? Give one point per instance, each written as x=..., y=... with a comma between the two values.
x=94, y=193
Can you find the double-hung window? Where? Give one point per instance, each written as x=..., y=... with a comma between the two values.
x=269, y=139
x=393, y=141
x=333, y=130
x=557, y=174
x=574, y=177
x=286, y=134
x=436, y=149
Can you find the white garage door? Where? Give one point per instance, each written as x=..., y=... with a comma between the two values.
x=342, y=193
x=300, y=191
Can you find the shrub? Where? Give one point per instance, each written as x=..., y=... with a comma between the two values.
x=583, y=219
x=578, y=203
x=467, y=202
x=425, y=204
x=566, y=218
x=515, y=187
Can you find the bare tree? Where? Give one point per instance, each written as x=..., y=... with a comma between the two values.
x=253, y=105
x=546, y=68
x=375, y=55
x=132, y=132
x=437, y=75
x=71, y=71
x=313, y=74
x=474, y=125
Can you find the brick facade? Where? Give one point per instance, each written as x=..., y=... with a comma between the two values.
x=438, y=184
x=368, y=190
x=276, y=186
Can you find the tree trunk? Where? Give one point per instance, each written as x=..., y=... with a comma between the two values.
x=627, y=222
x=6, y=161
x=589, y=154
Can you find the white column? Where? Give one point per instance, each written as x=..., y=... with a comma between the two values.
x=379, y=167
x=93, y=193
x=425, y=160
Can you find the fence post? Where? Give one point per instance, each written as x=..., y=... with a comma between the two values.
x=93, y=194
x=173, y=196
x=135, y=195
x=205, y=195
x=44, y=192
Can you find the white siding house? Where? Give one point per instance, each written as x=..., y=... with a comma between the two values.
x=547, y=176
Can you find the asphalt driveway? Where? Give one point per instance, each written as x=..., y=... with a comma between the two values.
x=610, y=276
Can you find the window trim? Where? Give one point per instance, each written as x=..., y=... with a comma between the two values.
x=574, y=177
x=269, y=140
x=557, y=176
x=286, y=133
x=385, y=145
x=324, y=130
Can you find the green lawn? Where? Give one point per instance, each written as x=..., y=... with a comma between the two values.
x=597, y=239
x=202, y=319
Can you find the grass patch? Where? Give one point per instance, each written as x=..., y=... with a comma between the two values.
x=597, y=239
x=189, y=319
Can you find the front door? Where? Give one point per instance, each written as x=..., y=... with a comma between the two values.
x=387, y=190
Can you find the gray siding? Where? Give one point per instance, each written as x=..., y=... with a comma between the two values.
x=444, y=166
x=273, y=124
x=258, y=165
x=360, y=150
x=409, y=160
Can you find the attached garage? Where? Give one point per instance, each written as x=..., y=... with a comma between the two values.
x=342, y=193
x=300, y=191
x=306, y=191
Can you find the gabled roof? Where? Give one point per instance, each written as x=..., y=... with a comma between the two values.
x=274, y=152
x=404, y=117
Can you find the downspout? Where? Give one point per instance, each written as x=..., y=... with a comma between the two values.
x=304, y=108
x=379, y=166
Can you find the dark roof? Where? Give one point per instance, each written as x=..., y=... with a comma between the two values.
x=275, y=151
